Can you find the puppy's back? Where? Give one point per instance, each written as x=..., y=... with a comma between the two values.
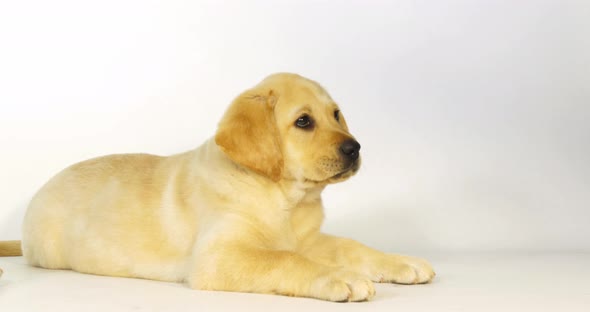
x=92, y=211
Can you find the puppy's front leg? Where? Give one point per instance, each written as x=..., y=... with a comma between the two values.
x=379, y=266
x=246, y=269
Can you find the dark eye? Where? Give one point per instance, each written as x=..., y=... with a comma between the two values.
x=303, y=122
x=337, y=115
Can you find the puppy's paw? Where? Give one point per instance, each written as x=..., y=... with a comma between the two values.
x=402, y=270
x=342, y=286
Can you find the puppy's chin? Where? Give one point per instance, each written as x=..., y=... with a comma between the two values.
x=346, y=174
x=321, y=177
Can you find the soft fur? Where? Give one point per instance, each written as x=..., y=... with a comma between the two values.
x=242, y=212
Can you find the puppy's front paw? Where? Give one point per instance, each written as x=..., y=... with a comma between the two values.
x=342, y=286
x=403, y=270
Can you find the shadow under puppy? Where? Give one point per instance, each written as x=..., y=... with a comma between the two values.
x=242, y=212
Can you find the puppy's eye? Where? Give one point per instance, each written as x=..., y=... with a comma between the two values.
x=303, y=122
x=337, y=115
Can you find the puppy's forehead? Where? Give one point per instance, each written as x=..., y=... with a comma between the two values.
x=316, y=90
x=309, y=93
x=298, y=94
x=312, y=92
x=306, y=101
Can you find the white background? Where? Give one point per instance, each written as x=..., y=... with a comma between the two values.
x=473, y=115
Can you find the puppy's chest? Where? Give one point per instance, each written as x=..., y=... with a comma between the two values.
x=301, y=222
x=286, y=240
x=281, y=233
x=286, y=232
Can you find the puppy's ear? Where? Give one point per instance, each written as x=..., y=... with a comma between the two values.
x=248, y=133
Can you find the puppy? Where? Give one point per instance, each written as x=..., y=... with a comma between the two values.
x=242, y=212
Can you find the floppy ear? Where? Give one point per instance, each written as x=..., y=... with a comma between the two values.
x=248, y=134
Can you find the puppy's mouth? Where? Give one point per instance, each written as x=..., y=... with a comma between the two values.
x=347, y=172
x=332, y=170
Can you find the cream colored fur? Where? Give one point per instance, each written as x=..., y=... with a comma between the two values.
x=242, y=212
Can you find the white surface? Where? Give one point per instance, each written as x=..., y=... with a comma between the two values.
x=472, y=115
x=465, y=282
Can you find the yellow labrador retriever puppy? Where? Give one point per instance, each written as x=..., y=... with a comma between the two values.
x=242, y=212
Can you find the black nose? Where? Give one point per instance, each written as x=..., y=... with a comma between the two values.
x=350, y=149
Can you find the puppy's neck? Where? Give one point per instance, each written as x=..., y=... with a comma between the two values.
x=296, y=192
x=291, y=192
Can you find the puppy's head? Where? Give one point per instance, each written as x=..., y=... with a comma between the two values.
x=288, y=127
